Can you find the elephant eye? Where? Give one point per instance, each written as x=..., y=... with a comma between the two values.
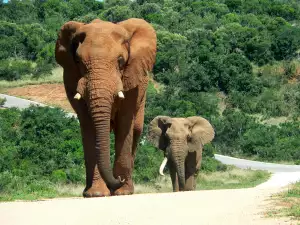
x=121, y=62
x=76, y=58
x=189, y=137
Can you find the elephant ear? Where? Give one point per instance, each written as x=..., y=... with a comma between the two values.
x=65, y=48
x=156, y=131
x=200, y=130
x=142, y=52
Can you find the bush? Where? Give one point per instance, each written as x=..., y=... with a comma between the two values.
x=212, y=165
x=14, y=69
x=241, y=134
x=147, y=162
x=58, y=176
x=40, y=144
x=2, y=101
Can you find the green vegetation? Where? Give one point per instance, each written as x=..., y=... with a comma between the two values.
x=28, y=31
x=40, y=147
x=2, y=101
x=54, y=77
x=288, y=203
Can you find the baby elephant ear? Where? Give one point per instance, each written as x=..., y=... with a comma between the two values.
x=201, y=129
x=156, y=131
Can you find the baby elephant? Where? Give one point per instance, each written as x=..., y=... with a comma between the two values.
x=182, y=140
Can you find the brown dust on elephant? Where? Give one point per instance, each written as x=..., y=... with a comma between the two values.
x=182, y=141
x=105, y=76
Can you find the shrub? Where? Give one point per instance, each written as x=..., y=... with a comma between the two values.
x=58, y=176
x=14, y=69
x=39, y=144
x=241, y=134
x=212, y=165
x=147, y=162
x=2, y=101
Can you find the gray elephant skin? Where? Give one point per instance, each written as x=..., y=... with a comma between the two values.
x=182, y=141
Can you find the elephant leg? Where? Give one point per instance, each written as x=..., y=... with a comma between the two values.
x=138, y=129
x=123, y=157
x=174, y=176
x=190, y=171
x=95, y=185
x=198, y=166
x=123, y=128
x=129, y=125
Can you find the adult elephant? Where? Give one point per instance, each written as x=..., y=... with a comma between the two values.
x=105, y=76
x=182, y=140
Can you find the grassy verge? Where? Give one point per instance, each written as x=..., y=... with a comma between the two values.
x=55, y=77
x=233, y=178
x=287, y=203
x=54, y=191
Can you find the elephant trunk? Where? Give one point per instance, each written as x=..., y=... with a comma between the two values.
x=178, y=157
x=100, y=106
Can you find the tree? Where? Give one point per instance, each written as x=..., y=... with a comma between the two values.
x=170, y=51
x=117, y=13
x=286, y=42
x=12, y=39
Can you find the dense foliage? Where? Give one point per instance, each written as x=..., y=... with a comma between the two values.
x=203, y=47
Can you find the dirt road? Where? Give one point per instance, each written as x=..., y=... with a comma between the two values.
x=232, y=207
x=213, y=207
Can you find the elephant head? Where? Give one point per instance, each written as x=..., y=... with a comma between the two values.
x=177, y=137
x=106, y=60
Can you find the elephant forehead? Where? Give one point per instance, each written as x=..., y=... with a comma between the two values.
x=104, y=29
x=178, y=127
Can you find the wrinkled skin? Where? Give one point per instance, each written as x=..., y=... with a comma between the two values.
x=182, y=140
x=100, y=59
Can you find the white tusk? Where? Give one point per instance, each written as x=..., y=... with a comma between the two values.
x=162, y=166
x=77, y=96
x=120, y=94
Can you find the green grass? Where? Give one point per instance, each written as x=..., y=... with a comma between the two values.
x=54, y=191
x=231, y=179
x=287, y=203
x=55, y=77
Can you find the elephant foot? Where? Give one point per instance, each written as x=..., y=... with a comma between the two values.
x=97, y=190
x=126, y=189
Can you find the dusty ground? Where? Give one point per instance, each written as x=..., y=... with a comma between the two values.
x=214, y=207
x=49, y=94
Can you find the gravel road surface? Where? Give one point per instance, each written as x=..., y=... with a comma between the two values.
x=214, y=207
x=256, y=165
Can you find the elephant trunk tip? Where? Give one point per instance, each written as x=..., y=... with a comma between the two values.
x=121, y=180
x=115, y=184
